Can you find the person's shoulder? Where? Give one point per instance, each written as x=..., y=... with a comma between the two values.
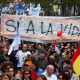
x=28, y=52
x=39, y=71
x=54, y=76
x=44, y=73
x=18, y=52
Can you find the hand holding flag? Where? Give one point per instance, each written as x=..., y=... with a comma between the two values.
x=15, y=44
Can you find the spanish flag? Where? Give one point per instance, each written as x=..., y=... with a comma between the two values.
x=75, y=61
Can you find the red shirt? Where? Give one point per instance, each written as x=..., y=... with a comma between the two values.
x=33, y=75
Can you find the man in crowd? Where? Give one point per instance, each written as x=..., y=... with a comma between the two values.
x=41, y=59
x=49, y=73
x=21, y=54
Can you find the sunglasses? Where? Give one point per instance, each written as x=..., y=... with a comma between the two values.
x=26, y=73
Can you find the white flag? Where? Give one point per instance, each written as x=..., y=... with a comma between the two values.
x=15, y=44
x=34, y=11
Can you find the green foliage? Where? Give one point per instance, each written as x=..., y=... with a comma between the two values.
x=3, y=2
x=44, y=2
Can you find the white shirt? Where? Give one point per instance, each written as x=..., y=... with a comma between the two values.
x=57, y=50
x=74, y=77
x=52, y=77
x=20, y=55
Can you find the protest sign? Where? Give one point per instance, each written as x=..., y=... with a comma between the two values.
x=37, y=28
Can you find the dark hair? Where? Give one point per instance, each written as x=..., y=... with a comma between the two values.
x=61, y=74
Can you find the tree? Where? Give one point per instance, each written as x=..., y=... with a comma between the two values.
x=3, y=2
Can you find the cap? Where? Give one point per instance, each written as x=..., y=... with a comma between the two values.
x=29, y=63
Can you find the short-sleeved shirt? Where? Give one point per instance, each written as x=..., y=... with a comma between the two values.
x=20, y=55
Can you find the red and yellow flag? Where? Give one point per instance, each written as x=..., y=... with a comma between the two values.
x=75, y=61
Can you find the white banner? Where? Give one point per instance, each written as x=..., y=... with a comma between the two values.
x=39, y=29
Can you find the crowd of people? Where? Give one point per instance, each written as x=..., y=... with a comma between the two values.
x=20, y=8
x=13, y=8
x=36, y=61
